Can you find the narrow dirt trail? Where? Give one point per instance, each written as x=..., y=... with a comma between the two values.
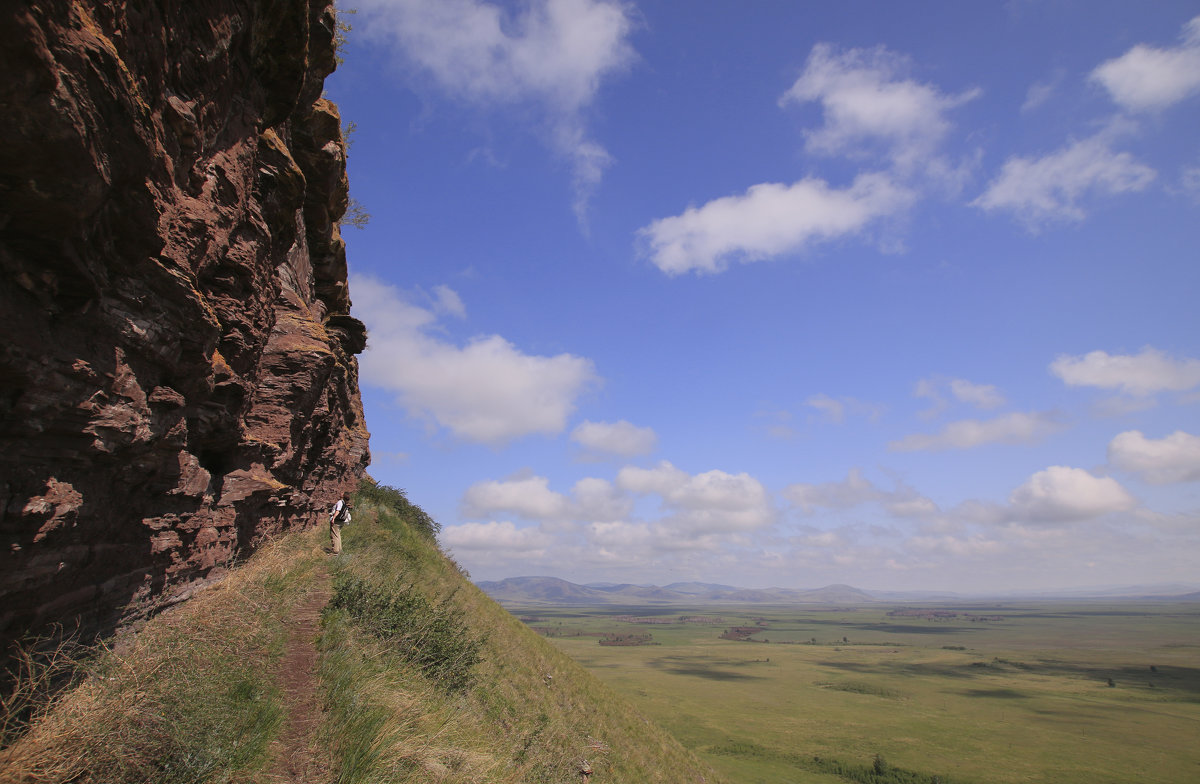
x=296, y=757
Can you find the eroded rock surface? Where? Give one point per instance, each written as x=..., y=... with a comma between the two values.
x=177, y=371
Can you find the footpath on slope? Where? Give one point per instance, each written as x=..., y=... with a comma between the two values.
x=295, y=755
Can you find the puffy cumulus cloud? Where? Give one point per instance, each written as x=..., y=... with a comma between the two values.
x=486, y=390
x=531, y=497
x=1014, y=428
x=598, y=499
x=713, y=502
x=527, y=496
x=856, y=490
x=1140, y=374
x=1063, y=494
x=617, y=438
x=493, y=536
x=1159, y=461
x=1147, y=78
x=768, y=220
x=1038, y=190
x=551, y=53
x=870, y=105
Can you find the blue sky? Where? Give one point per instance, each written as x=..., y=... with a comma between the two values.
x=775, y=293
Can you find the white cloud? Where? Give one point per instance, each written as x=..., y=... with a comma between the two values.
x=531, y=497
x=552, y=53
x=486, y=390
x=1147, y=78
x=1175, y=458
x=618, y=438
x=1141, y=374
x=1038, y=190
x=1014, y=428
x=493, y=536
x=984, y=396
x=768, y=220
x=835, y=409
x=599, y=499
x=1060, y=494
x=868, y=104
x=708, y=503
x=1040, y=92
x=856, y=490
x=449, y=302
x=528, y=496
x=852, y=491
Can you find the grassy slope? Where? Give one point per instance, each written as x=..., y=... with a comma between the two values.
x=531, y=714
x=192, y=696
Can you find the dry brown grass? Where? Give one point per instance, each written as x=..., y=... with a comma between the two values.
x=187, y=698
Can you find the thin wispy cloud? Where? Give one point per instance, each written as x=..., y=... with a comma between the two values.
x=1041, y=92
x=856, y=490
x=551, y=54
x=935, y=389
x=836, y=409
x=1055, y=186
x=872, y=107
x=1014, y=428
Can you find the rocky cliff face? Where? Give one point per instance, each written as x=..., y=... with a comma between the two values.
x=177, y=371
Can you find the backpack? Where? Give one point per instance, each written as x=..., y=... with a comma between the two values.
x=343, y=517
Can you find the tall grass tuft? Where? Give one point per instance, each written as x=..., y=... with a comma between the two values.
x=433, y=636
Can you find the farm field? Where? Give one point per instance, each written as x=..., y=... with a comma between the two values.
x=1012, y=692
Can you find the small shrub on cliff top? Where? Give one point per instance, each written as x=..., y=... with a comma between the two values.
x=393, y=500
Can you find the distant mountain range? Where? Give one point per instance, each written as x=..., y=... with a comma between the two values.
x=554, y=591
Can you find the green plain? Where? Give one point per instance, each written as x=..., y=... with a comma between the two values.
x=1025, y=698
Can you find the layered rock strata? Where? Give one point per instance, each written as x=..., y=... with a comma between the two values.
x=177, y=371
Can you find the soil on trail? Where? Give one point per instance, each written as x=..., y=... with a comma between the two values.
x=296, y=757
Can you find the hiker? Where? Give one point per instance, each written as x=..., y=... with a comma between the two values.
x=338, y=516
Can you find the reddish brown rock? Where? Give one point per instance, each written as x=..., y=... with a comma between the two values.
x=177, y=372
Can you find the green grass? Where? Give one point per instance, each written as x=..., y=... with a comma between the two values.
x=1020, y=700
x=422, y=679
x=191, y=697
x=521, y=711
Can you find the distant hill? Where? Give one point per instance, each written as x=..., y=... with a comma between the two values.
x=552, y=590
x=555, y=591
